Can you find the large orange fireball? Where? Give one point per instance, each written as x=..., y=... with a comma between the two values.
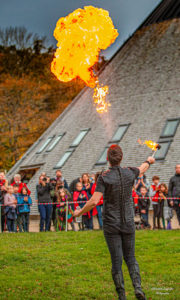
x=81, y=35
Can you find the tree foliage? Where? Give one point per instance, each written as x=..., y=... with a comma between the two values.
x=31, y=98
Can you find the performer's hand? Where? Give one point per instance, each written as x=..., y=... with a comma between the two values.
x=77, y=213
x=151, y=160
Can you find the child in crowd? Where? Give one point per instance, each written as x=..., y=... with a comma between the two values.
x=141, y=181
x=81, y=196
x=144, y=203
x=161, y=195
x=18, y=221
x=168, y=206
x=87, y=186
x=24, y=209
x=63, y=196
x=98, y=209
x=10, y=208
x=153, y=190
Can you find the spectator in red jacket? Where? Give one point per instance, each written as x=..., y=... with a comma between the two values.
x=135, y=199
x=153, y=190
x=17, y=181
x=87, y=186
x=161, y=195
x=98, y=209
x=80, y=198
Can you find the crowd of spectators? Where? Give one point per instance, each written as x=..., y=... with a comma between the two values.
x=57, y=200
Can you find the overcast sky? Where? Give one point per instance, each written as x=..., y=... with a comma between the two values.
x=40, y=16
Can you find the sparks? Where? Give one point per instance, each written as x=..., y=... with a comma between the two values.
x=99, y=98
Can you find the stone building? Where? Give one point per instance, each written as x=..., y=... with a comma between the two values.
x=144, y=93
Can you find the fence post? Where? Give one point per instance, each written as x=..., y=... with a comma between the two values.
x=67, y=215
x=0, y=219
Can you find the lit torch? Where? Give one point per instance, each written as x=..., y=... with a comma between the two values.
x=81, y=35
x=154, y=146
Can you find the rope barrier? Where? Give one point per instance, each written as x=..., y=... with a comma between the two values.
x=71, y=202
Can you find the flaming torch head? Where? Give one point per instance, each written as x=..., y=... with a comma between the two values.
x=81, y=35
x=154, y=146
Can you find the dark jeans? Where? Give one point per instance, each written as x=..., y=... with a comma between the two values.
x=99, y=210
x=10, y=225
x=155, y=214
x=45, y=211
x=88, y=222
x=3, y=222
x=25, y=221
x=123, y=245
x=18, y=223
x=177, y=209
x=145, y=219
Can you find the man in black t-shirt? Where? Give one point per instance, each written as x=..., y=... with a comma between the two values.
x=115, y=185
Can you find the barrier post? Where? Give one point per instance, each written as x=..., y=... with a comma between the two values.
x=67, y=215
x=0, y=219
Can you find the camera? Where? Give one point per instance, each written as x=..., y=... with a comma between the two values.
x=44, y=179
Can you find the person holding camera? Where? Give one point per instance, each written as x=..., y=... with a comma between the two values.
x=44, y=202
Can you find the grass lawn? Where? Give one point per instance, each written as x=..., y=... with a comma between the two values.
x=76, y=265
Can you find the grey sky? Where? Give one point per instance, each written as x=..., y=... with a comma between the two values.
x=40, y=16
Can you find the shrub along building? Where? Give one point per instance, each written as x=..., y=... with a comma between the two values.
x=144, y=92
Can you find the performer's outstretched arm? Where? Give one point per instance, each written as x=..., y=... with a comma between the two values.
x=89, y=205
x=145, y=166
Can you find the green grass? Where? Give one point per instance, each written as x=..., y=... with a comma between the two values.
x=76, y=265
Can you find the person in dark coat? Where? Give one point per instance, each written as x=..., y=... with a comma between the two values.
x=44, y=203
x=115, y=185
x=174, y=191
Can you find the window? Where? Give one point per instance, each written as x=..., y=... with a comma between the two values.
x=103, y=157
x=170, y=128
x=79, y=138
x=54, y=143
x=120, y=133
x=45, y=145
x=117, y=137
x=161, y=154
x=63, y=159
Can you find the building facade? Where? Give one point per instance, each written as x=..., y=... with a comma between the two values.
x=144, y=93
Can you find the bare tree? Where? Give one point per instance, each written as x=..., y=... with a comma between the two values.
x=19, y=37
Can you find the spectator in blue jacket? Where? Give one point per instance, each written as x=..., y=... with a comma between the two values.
x=24, y=209
x=18, y=222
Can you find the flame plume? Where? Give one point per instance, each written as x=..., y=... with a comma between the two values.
x=81, y=35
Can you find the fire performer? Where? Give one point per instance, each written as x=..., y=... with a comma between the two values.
x=115, y=185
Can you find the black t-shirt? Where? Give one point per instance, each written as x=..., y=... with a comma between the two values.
x=116, y=186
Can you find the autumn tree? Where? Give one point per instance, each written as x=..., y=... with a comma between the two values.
x=31, y=97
